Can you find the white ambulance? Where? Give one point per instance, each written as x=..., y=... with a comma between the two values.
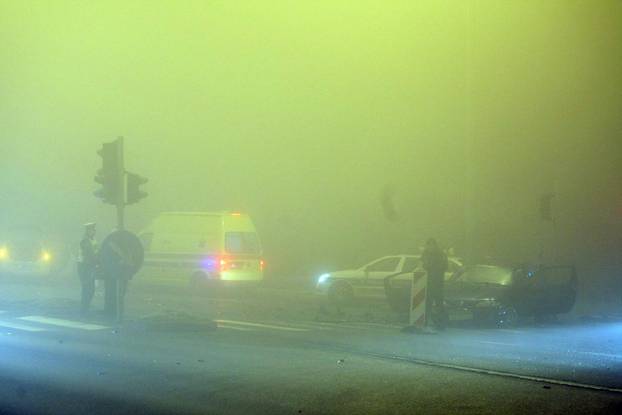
x=202, y=246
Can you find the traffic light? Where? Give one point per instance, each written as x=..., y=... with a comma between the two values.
x=110, y=175
x=546, y=210
x=134, y=194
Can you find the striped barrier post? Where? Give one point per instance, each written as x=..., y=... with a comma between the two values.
x=418, y=288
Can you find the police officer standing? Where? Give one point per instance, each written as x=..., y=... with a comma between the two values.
x=435, y=263
x=87, y=265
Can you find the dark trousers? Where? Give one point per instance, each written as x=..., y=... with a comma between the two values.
x=86, y=272
x=115, y=297
x=435, y=301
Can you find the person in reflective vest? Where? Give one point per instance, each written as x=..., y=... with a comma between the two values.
x=87, y=265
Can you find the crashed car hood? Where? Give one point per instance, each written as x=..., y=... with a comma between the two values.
x=474, y=292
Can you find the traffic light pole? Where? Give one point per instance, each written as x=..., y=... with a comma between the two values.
x=120, y=202
x=119, y=188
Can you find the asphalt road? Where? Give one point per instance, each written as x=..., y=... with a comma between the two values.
x=271, y=351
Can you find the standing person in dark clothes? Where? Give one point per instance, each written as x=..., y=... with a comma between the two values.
x=435, y=263
x=87, y=264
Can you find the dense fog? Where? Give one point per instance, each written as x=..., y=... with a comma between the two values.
x=347, y=130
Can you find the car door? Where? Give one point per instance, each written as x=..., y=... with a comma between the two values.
x=549, y=290
x=375, y=274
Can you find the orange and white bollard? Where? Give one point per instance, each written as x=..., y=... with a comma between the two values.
x=418, y=288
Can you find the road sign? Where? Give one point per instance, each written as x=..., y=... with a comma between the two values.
x=121, y=255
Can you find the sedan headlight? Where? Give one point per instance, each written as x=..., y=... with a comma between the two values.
x=4, y=253
x=323, y=278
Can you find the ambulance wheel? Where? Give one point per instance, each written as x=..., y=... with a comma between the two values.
x=340, y=293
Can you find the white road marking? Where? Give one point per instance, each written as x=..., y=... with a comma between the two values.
x=17, y=326
x=382, y=325
x=493, y=372
x=63, y=323
x=511, y=331
x=303, y=325
x=611, y=355
x=498, y=343
x=267, y=326
x=228, y=327
x=337, y=324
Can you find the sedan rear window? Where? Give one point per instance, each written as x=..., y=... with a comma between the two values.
x=410, y=264
x=384, y=265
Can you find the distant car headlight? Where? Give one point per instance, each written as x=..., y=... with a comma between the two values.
x=323, y=278
x=4, y=253
x=46, y=256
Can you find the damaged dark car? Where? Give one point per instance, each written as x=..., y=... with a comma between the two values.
x=499, y=295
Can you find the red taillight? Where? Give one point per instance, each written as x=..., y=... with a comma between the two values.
x=223, y=264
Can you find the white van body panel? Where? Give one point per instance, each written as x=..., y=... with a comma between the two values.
x=210, y=245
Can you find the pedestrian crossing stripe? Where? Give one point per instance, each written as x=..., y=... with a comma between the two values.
x=18, y=326
x=63, y=323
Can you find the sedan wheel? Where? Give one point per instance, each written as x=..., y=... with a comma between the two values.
x=506, y=316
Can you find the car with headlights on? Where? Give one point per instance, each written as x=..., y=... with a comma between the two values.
x=27, y=250
x=367, y=282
